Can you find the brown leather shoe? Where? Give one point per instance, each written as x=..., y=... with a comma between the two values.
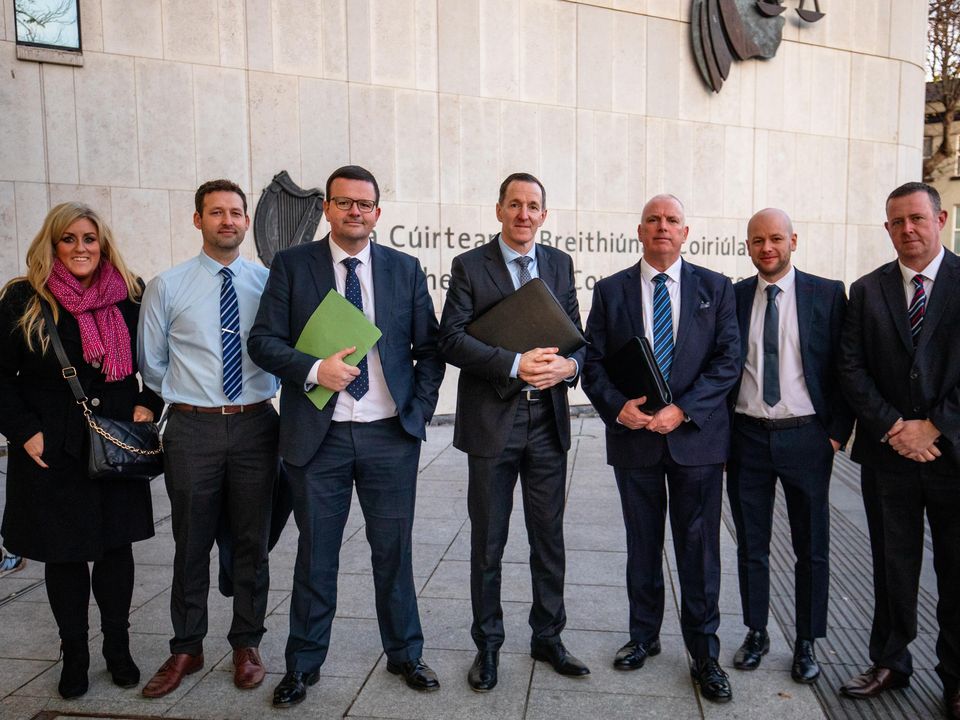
x=248, y=669
x=873, y=681
x=171, y=673
x=953, y=705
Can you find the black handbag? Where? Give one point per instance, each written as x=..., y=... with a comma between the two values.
x=118, y=448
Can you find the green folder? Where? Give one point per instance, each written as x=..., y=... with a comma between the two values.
x=336, y=324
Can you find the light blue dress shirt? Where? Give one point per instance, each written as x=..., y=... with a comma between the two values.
x=180, y=351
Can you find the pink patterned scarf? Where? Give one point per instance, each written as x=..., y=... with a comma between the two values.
x=103, y=333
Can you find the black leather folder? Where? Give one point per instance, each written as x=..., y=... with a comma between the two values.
x=529, y=318
x=634, y=370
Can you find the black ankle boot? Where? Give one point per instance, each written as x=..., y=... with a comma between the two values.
x=76, y=663
x=116, y=651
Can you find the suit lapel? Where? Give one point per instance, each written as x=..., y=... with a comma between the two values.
x=689, y=303
x=891, y=285
x=383, y=299
x=805, y=298
x=745, y=297
x=942, y=297
x=633, y=299
x=322, y=269
x=547, y=270
x=497, y=268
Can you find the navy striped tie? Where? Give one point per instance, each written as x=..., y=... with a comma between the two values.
x=917, y=307
x=662, y=325
x=230, y=337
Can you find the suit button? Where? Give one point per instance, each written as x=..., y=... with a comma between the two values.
x=95, y=402
x=916, y=408
x=95, y=364
x=914, y=375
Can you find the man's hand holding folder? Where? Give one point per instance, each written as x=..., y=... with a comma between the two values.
x=334, y=374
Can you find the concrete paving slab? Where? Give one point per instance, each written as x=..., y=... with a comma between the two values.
x=562, y=705
x=14, y=674
x=446, y=624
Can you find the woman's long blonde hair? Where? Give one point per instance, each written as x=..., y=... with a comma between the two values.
x=40, y=257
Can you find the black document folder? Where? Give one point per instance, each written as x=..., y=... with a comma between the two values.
x=529, y=318
x=634, y=370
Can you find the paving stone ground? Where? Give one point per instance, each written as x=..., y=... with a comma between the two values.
x=354, y=682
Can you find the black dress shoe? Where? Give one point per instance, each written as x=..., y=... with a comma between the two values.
x=713, y=681
x=805, y=667
x=483, y=674
x=755, y=645
x=562, y=661
x=417, y=674
x=293, y=688
x=634, y=654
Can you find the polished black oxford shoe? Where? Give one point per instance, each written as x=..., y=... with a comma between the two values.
x=713, y=681
x=293, y=687
x=755, y=645
x=483, y=674
x=634, y=654
x=805, y=668
x=416, y=673
x=561, y=661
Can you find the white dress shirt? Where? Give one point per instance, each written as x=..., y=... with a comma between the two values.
x=647, y=274
x=929, y=276
x=377, y=403
x=794, y=396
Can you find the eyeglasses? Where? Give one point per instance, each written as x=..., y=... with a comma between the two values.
x=345, y=203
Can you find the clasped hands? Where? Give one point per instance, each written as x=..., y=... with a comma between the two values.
x=543, y=368
x=663, y=421
x=914, y=439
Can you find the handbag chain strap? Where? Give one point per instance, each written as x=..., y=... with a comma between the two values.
x=69, y=373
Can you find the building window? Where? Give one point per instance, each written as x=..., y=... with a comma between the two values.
x=48, y=31
x=956, y=227
x=927, y=147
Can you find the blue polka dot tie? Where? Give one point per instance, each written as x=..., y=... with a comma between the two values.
x=230, y=337
x=358, y=388
x=662, y=325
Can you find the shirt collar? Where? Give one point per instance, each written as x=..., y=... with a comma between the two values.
x=648, y=272
x=339, y=254
x=509, y=254
x=213, y=267
x=929, y=272
x=785, y=283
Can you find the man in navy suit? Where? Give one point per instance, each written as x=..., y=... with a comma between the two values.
x=687, y=312
x=790, y=418
x=900, y=367
x=369, y=433
x=527, y=434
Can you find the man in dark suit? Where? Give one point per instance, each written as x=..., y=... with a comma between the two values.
x=687, y=313
x=900, y=369
x=790, y=418
x=526, y=434
x=368, y=434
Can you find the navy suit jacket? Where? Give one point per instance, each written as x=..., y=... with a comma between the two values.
x=300, y=277
x=821, y=304
x=885, y=377
x=706, y=365
x=480, y=279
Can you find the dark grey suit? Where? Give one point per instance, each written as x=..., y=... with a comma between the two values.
x=885, y=378
x=323, y=459
x=507, y=437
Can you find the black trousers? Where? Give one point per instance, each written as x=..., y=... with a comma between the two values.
x=381, y=459
x=533, y=452
x=68, y=590
x=802, y=458
x=895, y=504
x=695, y=501
x=215, y=463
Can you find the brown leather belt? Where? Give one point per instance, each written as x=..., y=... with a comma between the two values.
x=219, y=410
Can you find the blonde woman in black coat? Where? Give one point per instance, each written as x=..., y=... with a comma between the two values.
x=54, y=512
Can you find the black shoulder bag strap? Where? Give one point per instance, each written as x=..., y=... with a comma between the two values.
x=69, y=372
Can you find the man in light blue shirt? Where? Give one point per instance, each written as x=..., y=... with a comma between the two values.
x=220, y=444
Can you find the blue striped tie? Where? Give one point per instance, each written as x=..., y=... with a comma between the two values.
x=662, y=325
x=230, y=337
x=361, y=383
x=917, y=307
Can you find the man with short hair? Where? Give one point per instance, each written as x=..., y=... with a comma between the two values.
x=527, y=434
x=220, y=442
x=687, y=314
x=900, y=369
x=790, y=418
x=367, y=436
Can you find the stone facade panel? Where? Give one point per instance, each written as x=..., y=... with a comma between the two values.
x=166, y=121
